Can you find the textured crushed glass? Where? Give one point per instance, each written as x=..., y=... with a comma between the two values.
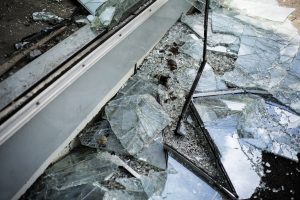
x=242, y=126
x=136, y=120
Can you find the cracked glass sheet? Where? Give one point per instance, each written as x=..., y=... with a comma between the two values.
x=184, y=185
x=242, y=126
x=77, y=176
x=136, y=120
x=264, y=59
x=257, y=8
x=112, y=12
x=92, y=5
x=100, y=135
x=209, y=81
x=196, y=23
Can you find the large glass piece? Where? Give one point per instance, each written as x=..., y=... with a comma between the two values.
x=136, y=120
x=242, y=127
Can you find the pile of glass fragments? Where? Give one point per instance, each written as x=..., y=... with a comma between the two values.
x=248, y=100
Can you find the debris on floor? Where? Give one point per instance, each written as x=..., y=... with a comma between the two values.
x=235, y=138
x=47, y=17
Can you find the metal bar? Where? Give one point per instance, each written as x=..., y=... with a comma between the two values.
x=202, y=65
x=199, y=172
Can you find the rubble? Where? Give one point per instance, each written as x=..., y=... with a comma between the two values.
x=47, y=17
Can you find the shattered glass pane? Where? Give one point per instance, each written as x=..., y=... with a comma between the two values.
x=136, y=120
x=265, y=58
x=242, y=126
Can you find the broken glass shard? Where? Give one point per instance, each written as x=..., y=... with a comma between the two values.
x=183, y=184
x=149, y=185
x=92, y=5
x=112, y=12
x=136, y=120
x=193, y=47
x=153, y=154
x=46, y=17
x=229, y=42
x=93, y=168
x=77, y=176
x=242, y=126
x=209, y=81
x=265, y=58
x=137, y=85
x=100, y=135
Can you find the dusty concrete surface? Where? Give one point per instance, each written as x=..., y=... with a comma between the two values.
x=295, y=16
x=16, y=20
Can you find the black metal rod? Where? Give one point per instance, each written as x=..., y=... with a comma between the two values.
x=199, y=73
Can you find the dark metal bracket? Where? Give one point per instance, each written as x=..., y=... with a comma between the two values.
x=199, y=73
